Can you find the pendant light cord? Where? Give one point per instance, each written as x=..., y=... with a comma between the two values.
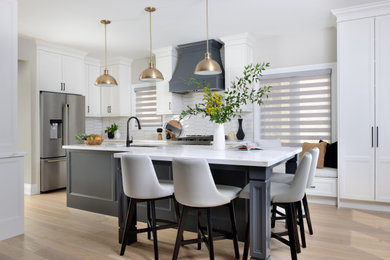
x=105, y=43
x=150, y=35
x=207, y=25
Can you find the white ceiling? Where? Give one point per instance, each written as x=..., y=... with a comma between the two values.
x=75, y=23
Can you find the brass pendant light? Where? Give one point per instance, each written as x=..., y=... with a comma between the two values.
x=105, y=80
x=207, y=66
x=151, y=74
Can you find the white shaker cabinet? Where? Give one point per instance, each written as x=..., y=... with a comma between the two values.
x=382, y=91
x=92, y=98
x=363, y=102
x=167, y=102
x=116, y=101
x=60, y=70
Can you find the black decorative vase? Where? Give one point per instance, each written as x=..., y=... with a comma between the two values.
x=240, y=133
x=110, y=135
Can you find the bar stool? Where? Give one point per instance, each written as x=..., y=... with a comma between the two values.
x=286, y=195
x=195, y=190
x=140, y=184
x=288, y=178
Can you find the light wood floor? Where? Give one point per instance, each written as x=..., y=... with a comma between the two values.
x=53, y=231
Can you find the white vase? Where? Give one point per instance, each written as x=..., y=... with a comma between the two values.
x=117, y=134
x=219, y=137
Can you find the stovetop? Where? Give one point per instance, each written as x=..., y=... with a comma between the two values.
x=195, y=139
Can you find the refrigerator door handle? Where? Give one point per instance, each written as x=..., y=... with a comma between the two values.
x=55, y=161
x=65, y=125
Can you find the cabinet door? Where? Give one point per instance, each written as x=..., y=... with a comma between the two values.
x=356, y=109
x=49, y=71
x=73, y=75
x=93, y=92
x=163, y=99
x=110, y=95
x=382, y=42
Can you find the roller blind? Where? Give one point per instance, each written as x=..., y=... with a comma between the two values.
x=298, y=108
x=146, y=107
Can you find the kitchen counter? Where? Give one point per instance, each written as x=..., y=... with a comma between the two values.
x=262, y=158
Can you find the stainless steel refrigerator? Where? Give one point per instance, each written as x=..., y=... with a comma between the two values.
x=62, y=117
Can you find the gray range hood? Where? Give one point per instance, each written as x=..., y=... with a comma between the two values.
x=188, y=56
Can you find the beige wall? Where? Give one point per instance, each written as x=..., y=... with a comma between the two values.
x=306, y=48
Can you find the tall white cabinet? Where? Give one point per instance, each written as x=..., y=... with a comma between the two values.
x=92, y=97
x=364, y=102
x=11, y=162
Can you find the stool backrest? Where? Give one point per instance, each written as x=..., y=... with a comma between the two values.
x=139, y=177
x=298, y=185
x=194, y=184
x=314, y=155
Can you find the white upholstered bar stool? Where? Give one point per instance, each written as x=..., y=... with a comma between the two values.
x=140, y=184
x=288, y=178
x=286, y=195
x=195, y=190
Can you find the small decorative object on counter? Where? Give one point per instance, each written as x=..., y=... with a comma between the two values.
x=231, y=136
x=173, y=129
x=221, y=108
x=240, y=133
x=93, y=139
x=159, y=135
x=110, y=130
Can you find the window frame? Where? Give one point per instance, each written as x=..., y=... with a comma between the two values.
x=302, y=69
x=134, y=104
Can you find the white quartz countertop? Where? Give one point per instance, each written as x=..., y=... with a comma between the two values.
x=262, y=158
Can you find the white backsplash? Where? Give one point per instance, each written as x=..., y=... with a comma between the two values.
x=196, y=125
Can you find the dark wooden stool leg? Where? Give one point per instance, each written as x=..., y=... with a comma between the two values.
x=294, y=216
x=210, y=234
x=301, y=224
x=247, y=242
x=130, y=215
x=274, y=208
x=199, y=233
x=307, y=214
x=290, y=227
x=234, y=229
x=149, y=220
x=154, y=231
x=180, y=231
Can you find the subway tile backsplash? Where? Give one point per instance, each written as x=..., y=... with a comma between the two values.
x=196, y=125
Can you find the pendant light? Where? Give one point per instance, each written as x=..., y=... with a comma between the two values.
x=151, y=74
x=207, y=66
x=105, y=80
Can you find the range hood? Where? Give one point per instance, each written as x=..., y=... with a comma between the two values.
x=188, y=56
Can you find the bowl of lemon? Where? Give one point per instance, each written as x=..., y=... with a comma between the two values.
x=92, y=139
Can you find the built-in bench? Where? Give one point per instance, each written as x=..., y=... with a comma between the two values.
x=325, y=183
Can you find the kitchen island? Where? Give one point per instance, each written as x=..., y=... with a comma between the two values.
x=95, y=184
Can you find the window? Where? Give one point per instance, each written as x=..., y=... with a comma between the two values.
x=146, y=106
x=298, y=108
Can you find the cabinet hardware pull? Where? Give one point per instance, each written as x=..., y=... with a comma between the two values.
x=372, y=136
x=88, y=109
x=169, y=105
x=377, y=136
x=64, y=87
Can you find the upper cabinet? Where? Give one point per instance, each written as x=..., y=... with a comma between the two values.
x=167, y=102
x=116, y=101
x=60, y=69
x=92, y=97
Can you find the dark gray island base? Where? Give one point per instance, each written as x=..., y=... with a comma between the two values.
x=95, y=184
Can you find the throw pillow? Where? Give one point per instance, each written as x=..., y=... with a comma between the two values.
x=321, y=157
x=331, y=155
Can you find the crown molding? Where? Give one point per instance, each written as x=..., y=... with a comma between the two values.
x=362, y=11
x=238, y=39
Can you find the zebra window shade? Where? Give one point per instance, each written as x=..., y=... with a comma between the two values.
x=298, y=108
x=146, y=106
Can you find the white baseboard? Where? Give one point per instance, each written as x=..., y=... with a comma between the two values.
x=365, y=205
x=30, y=189
x=322, y=200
